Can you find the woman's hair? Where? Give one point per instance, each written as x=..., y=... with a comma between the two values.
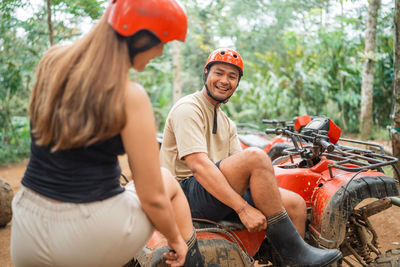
x=78, y=96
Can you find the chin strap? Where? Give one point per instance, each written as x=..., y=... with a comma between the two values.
x=214, y=131
x=132, y=40
x=215, y=125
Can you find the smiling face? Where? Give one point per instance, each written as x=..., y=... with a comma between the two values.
x=222, y=81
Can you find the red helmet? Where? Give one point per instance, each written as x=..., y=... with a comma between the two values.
x=226, y=55
x=164, y=18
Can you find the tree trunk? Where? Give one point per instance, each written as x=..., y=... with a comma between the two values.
x=49, y=22
x=367, y=83
x=176, y=62
x=396, y=85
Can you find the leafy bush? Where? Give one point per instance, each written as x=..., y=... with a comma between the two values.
x=17, y=147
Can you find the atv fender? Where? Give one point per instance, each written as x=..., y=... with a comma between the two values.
x=336, y=199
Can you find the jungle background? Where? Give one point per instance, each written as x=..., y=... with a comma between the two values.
x=300, y=57
x=336, y=58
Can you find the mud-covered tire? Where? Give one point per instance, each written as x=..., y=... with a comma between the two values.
x=390, y=259
x=132, y=263
x=277, y=150
x=6, y=195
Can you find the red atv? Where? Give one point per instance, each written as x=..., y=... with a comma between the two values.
x=250, y=136
x=333, y=178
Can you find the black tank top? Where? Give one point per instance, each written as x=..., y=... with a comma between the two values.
x=78, y=175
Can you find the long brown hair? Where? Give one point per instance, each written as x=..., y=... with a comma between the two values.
x=78, y=96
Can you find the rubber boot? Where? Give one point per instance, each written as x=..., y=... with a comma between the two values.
x=292, y=249
x=193, y=256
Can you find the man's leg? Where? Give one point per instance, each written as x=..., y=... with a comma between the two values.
x=296, y=209
x=252, y=168
x=293, y=203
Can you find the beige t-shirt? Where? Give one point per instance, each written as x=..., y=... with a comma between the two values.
x=188, y=130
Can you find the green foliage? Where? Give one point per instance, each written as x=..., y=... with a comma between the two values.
x=18, y=146
x=23, y=40
x=80, y=8
x=300, y=57
x=380, y=133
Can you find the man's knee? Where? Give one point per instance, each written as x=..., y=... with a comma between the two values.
x=256, y=157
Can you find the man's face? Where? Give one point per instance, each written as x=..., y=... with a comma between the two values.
x=222, y=80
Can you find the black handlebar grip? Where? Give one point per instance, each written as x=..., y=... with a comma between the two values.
x=268, y=121
x=327, y=145
x=273, y=131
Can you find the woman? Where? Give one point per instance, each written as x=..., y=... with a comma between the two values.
x=71, y=209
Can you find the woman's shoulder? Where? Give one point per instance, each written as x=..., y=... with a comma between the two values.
x=135, y=92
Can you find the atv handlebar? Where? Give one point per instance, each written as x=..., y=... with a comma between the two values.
x=277, y=122
x=315, y=138
x=325, y=144
x=276, y=131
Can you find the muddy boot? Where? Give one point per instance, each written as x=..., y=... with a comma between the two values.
x=193, y=256
x=292, y=249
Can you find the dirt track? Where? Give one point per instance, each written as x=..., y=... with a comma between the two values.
x=386, y=223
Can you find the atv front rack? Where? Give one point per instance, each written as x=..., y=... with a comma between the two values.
x=347, y=158
x=362, y=158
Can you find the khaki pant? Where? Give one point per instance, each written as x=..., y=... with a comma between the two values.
x=102, y=233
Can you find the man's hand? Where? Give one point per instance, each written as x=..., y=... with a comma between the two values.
x=252, y=219
x=178, y=255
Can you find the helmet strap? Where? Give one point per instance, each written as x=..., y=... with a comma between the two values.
x=131, y=42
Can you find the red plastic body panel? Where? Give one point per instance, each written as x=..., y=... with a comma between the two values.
x=301, y=121
x=302, y=181
x=334, y=132
x=315, y=185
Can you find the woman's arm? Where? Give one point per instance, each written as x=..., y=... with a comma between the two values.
x=139, y=139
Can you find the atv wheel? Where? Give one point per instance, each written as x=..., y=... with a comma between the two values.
x=6, y=195
x=277, y=150
x=390, y=259
x=132, y=263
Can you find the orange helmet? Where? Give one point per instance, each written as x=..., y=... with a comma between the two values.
x=226, y=55
x=166, y=19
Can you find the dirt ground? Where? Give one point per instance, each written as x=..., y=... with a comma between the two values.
x=387, y=223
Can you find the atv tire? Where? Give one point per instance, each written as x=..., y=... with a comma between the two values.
x=277, y=150
x=6, y=195
x=390, y=259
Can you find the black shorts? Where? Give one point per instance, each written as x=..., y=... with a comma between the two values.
x=205, y=206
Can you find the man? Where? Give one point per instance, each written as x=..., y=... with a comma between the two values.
x=200, y=147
